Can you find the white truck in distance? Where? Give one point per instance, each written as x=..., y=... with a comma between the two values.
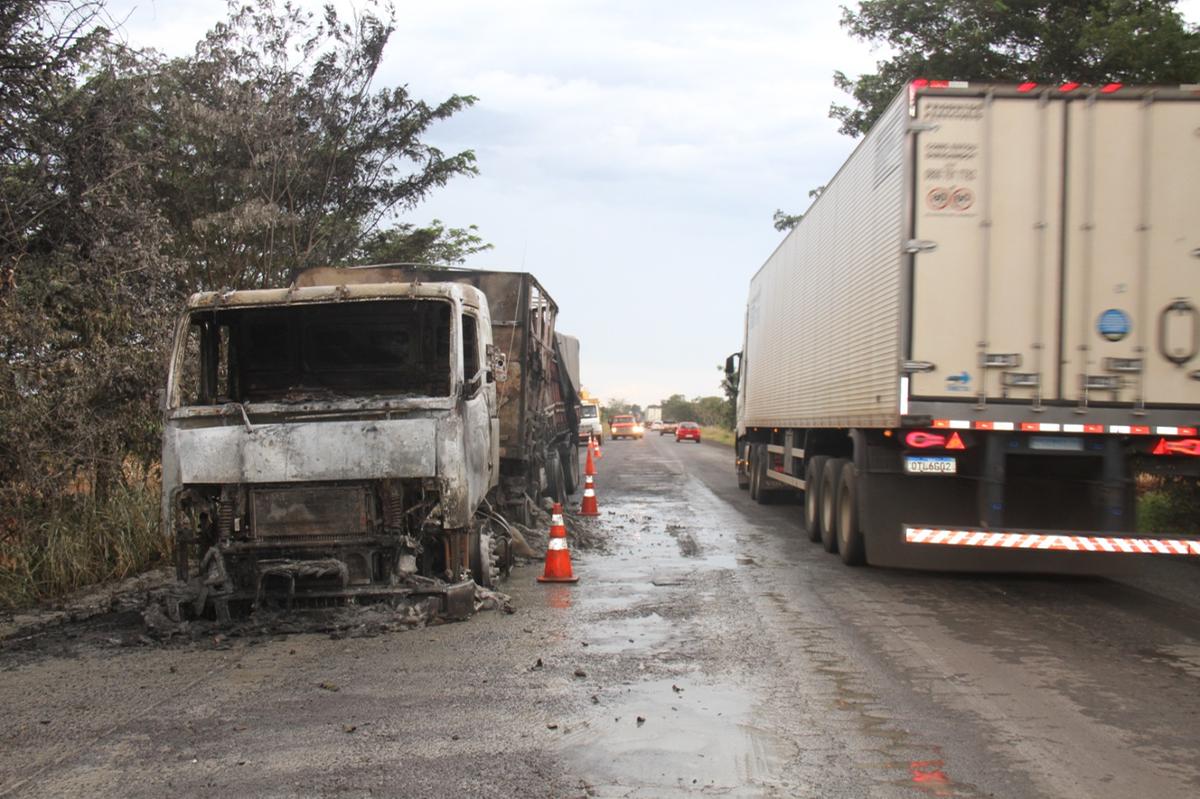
x=984, y=327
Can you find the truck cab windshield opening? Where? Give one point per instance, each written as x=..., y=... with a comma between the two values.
x=319, y=352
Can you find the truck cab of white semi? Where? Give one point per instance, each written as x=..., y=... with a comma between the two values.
x=589, y=420
x=331, y=441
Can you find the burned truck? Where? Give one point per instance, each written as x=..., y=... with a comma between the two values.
x=362, y=434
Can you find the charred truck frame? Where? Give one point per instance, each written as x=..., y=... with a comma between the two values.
x=355, y=435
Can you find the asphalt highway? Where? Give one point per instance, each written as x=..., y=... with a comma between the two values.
x=709, y=649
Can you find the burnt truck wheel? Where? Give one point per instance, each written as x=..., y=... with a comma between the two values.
x=554, y=478
x=743, y=476
x=849, y=530
x=569, y=456
x=485, y=566
x=831, y=477
x=813, y=471
x=763, y=496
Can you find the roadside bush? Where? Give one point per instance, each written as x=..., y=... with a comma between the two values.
x=1169, y=505
x=51, y=549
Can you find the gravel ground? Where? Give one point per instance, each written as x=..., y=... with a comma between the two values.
x=708, y=649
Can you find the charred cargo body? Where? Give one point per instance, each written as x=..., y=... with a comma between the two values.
x=346, y=437
x=983, y=329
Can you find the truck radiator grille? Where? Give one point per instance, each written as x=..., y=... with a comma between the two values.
x=311, y=514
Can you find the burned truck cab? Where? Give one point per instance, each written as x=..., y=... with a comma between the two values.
x=333, y=441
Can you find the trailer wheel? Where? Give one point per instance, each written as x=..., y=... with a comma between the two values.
x=814, y=470
x=849, y=533
x=763, y=496
x=831, y=478
x=569, y=456
x=752, y=471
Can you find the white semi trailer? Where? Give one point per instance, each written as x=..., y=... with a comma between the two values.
x=983, y=328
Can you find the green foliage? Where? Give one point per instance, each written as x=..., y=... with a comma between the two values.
x=705, y=410
x=128, y=180
x=785, y=222
x=434, y=244
x=287, y=155
x=1048, y=41
x=1172, y=507
x=80, y=540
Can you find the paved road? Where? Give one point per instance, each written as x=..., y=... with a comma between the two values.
x=709, y=650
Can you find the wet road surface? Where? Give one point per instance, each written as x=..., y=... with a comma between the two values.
x=709, y=649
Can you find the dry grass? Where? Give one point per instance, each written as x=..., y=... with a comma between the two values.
x=719, y=435
x=47, y=552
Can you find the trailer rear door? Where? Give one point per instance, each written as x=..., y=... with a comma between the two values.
x=1064, y=228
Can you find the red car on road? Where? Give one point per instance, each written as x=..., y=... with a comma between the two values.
x=687, y=430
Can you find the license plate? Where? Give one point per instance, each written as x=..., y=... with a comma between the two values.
x=1056, y=443
x=927, y=465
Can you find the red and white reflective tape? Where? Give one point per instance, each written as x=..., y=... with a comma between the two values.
x=556, y=543
x=1056, y=427
x=1051, y=541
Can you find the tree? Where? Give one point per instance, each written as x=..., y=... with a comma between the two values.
x=285, y=154
x=785, y=222
x=1048, y=41
x=677, y=408
x=127, y=181
x=729, y=385
x=710, y=411
x=434, y=244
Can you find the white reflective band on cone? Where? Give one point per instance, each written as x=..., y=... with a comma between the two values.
x=1056, y=541
x=588, y=492
x=557, y=543
x=556, y=520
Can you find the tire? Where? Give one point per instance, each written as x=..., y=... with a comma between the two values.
x=760, y=474
x=831, y=478
x=752, y=469
x=483, y=560
x=813, y=470
x=743, y=475
x=849, y=534
x=554, y=479
x=569, y=455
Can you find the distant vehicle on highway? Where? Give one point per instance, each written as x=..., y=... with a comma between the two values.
x=687, y=431
x=668, y=428
x=656, y=425
x=589, y=421
x=625, y=426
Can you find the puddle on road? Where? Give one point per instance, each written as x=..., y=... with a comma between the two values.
x=646, y=633
x=692, y=739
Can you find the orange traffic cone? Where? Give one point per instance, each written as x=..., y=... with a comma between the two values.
x=558, y=557
x=590, y=508
x=596, y=447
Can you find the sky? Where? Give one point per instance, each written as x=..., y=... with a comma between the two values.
x=631, y=153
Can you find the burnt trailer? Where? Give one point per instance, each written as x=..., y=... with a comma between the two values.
x=535, y=394
x=362, y=433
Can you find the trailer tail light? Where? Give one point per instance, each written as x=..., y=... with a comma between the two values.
x=1109, y=88
x=1178, y=446
x=923, y=439
x=1069, y=86
x=1026, y=87
x=919, y=439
